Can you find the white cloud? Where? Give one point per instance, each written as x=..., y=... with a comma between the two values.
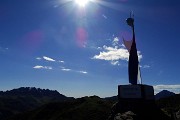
x=146, y=66
x=104, y=16
x=84, y=72
x=38, y=58
x=48, y=59
x=61, y=61
x=172, y=88
x=99, y=48
x=139, y=55
x=122, y=45
x=115, y=62
x=65, y=69
x=112, y=54
x=115, y=41
x=68, y=70
x=42, y=67
x=38, y=67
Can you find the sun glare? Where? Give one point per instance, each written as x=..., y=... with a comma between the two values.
x=82, y=3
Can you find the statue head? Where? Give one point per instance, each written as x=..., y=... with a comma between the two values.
x=130, y=21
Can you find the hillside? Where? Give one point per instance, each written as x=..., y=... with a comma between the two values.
x=86, y=108
x=169, y=104
x=42, y=104
x=25, y=99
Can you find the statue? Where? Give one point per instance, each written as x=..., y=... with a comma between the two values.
x=133, y=57
x=134, y=90
x=133, y=65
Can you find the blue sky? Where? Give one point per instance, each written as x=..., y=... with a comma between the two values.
x=78, y=50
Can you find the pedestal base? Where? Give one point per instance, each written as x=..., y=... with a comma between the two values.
x=138, y=99
x=144, y=92
x=135, y=97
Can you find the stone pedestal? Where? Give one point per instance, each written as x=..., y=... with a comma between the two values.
x=137, y=92
x=139, y=99
x=135, y=97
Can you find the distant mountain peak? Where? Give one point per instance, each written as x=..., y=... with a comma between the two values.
x=32, y=91
x=164, y=94
x=26, y=98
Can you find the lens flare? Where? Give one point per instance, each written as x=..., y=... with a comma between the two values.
x=82, y=3
x=81, y=37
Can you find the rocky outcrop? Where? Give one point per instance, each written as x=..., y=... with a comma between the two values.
x=128, y=110
x=124, y=116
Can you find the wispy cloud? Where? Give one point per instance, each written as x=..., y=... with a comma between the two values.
x=65, y=69
x=115, y=41
x=172, y=88
x=48, y=59
x=145, y=66
x=99, y=48
x=83, y=72
x=42, y=67
x=104, y=16
x=38, y=58
x=61, y=61
x=71, y=70
x=2, y=49
x=115, y=63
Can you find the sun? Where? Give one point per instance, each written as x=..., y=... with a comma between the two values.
x=82, y=3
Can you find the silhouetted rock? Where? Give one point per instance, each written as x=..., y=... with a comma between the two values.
x=142, y=110
x=178, y=114
x=124, y=116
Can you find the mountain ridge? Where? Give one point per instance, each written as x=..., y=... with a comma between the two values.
x=26, y=98
x=31, y=91
x=29, y=102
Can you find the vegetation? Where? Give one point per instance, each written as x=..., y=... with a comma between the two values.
x=86, y=108
x=169, y=104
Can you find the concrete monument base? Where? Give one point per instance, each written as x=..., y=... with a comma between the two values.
x=139, y=99
x=139, y=91
x=135, y=97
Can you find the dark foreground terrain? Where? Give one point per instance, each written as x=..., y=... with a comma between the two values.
x=40, y=104
x=86, y=108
